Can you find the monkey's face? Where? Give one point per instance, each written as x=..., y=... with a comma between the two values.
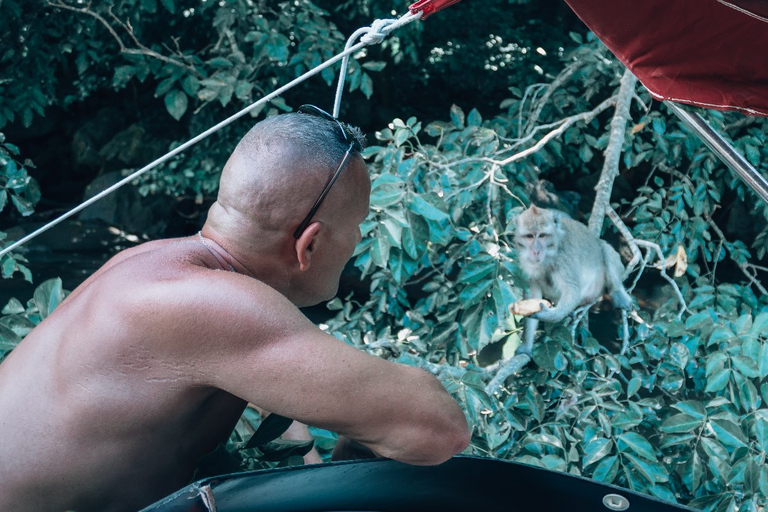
x=536, y=247
x=536, y=237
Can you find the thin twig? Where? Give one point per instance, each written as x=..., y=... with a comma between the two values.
x=652, y=248
x=566, y=123
x=563, y=77
x=663, y=272
x=140, y=50
x=742, y=266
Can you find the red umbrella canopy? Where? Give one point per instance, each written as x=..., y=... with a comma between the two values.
x=708, y=53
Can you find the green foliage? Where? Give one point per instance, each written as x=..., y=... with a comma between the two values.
x=18, y=320
x=19, y=189
x=189, y=64
x=682, y=413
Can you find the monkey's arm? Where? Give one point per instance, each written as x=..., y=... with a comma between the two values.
x=565, y=305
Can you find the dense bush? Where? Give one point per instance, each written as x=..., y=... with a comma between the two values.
x=681, y=414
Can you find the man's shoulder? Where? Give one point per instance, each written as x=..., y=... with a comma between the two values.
x=168, y=281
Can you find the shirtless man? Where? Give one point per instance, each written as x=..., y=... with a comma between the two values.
x=147, y=366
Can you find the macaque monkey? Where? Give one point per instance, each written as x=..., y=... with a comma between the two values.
x=567, y=264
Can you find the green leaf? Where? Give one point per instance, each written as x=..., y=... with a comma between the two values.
x=14, y=307
x=679, y=355
x=752, y=476
x=760, y=325
x=718, y=380
x=693, y=472
x=8, y=338
x=680, y=423
x=597, y=449
x=474, y=118
x=477, y=269
x=728, y=433
x=545, y=439
x=746, y=366
x=176, y=103
x=761, y=428
x=366, y=85
x=374, y=65
x=651, y=471
x=48, y=295
x=164, y=87
x=457, y=117
x=607, y=469
x=714, y=449
x=277, y=47
x=386, y=195
x=270, y=429
x=18, y=324
x=638, y=444
x=393, y=230
x=675, y=440
x=169, y=5
x=633, y=386
x=420, y=205
x=23, y=206
x=549, y=355
x=472, y=294
x=762, y=361
x=691, y=408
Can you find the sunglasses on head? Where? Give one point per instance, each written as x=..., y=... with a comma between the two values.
x=350, y=138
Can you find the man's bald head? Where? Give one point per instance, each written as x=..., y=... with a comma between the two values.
x=276, y=173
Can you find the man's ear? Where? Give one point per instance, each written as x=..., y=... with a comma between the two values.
x=306, y=245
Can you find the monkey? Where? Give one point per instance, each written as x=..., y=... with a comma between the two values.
x=544, y=195
x=565, y=263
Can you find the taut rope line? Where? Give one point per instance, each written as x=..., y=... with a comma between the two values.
x=376, y=33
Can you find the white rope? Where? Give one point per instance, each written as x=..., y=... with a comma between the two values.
x=377, y=33
x=374, y=34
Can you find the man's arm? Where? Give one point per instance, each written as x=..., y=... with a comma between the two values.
x=268, y=353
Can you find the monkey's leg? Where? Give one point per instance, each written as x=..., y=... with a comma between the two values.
x=530, y=324
x=529, y=331
x=614, y=270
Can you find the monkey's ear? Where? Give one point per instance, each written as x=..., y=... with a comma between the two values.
x=535, y=210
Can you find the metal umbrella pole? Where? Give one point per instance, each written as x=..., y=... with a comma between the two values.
x=723, y=149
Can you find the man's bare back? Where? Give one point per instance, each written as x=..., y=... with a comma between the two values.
x=147, y=366
x=132, y=432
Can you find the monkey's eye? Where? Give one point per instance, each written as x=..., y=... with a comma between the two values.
x=529, y=235
x=544, y=235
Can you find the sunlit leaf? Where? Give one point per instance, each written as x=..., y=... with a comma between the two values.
x=596, y=450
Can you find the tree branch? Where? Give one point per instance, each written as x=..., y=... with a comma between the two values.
x=652, y=249
x=613, y=152
x=506, y=368
x=742, y=266
x=566, y=123
x=140, y=50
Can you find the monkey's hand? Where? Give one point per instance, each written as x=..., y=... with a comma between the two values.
x=529, y=307
x=550, y=314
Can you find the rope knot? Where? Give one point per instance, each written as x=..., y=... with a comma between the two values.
x=376, y=32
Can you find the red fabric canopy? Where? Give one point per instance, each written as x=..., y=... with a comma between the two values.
x=708, y=53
